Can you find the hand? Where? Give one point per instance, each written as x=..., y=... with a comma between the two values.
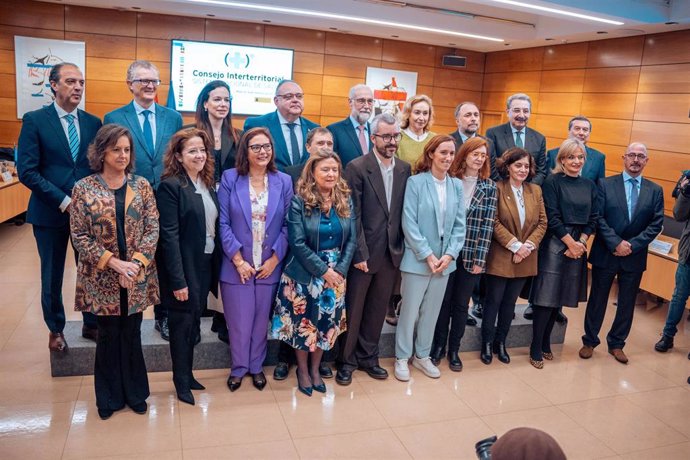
x=362, y=266
x=181, y=295
x=523, y=252
x=268, y=267
x=245, y=271
x=517, y=259
x=623, y=249
x=432, y=262
x=332, y=278
x=443, y=263
x=125, y=283
x=129, y=270
x=576, y=250
x=476, y=269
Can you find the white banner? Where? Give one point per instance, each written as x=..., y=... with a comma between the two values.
x=34, y=57
x=391, y=88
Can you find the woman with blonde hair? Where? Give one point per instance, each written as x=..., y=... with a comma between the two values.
x=417, y=119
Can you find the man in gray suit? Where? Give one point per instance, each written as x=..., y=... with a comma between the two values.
x=152, y=126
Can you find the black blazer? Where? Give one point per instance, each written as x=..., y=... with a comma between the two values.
x=501, y=137
x=613, y=225
x=45, y=164
x=228, y=149
x=377, y=228
x=346, y=140
x=182, y=242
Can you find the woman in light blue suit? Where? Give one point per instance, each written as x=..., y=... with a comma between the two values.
x=434, y=226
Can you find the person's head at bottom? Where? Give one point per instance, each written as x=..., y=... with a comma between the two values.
x=526, y=444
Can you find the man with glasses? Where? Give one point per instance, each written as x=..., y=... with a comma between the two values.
x=631, y=214
x=351, y=135
x=287, y=125
x=152, y=126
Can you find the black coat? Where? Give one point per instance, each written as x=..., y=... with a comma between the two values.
x=502, y=139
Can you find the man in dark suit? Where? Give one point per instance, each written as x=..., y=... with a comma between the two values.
x=287, y=125
x=631, y=216
x=378, y=182
x=580, y=127
x=52, y=156
x=516, y=134
x=318, y=140
x=152, y=126
x=351, y=135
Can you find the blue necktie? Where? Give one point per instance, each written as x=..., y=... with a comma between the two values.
x=148, y=133
x=634, y=194
x=296, y=154
x=518, y=139
x=73, y=138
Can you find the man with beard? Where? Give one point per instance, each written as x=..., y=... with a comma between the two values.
x=631, y=216
x=580, y=127
x=378, y=182
x=351, y=135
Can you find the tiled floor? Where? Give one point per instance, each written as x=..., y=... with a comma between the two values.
x=595, y=409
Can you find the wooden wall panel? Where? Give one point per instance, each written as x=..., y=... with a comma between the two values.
x=152, y=49
x=672, y=108
x=7, y=86
x=354, y=46
x=612, y=80
x=7, y=62
x=109, y=92
x=559, y=104
x=168, y=27
x=241, y=33
x=93, y=20
x=562, y=81
x=517, y=60
x=668, y=48
x=338, y=86
x=312, y=41
x=674, y=78
x=342, y=66
x=661, y=165
x=107, y=69
x=608, y=105
x=617, y=52
x=8, y=109
x=444, y=97
x=106, y=46
x=474, y=62
x=608, y=131
x=550, y=125
x=409, y=53
x=308, y=62
x=7, y=34
x=671, y=137
x=570, y=56
x=38, y=15
x=310, y=83
x=335, y=106
x=513, y=82
x=447, y=78
x=425, y=75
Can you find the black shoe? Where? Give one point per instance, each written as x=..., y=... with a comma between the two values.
x=343, y=377
x=259, y=380
x=454, y=362
x=186, y=397
x=321, y=388
x=234, y=383
x=500, y=350
x=304, y=390
x=325, y=371
x=477, y=310
x=470, y=321
x=561, y=318
x=195, y=385
x=162, y=327
x=90, y=333
x=665, y=344
x=375, y=372
x=529, y=313
x=281, y=371
x=436, y=354
x=105, y=414
x=485, y=355
x=223, y=336
x=140, y=408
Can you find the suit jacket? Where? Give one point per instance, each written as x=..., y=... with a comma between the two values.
x=480, y=225
x=458, y=140
x=148, y=164
x=421, y=228
x=614, y=226
x=346, y=140
x=507, y=230
x=182, y=243
x=45, y=164
x=378, y=229
x=501, y=137
x=593, y=169
x=272, y=122
x=236, y=223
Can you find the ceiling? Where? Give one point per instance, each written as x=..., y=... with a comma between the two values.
x=438, y=22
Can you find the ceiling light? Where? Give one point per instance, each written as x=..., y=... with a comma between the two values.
x=557, y=11
x=340, y=17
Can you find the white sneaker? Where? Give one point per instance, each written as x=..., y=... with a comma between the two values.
x=425, y=365
x=402, y=371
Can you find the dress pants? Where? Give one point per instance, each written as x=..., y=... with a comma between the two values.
x=120, y=371
x=501, y=295
x=422, y=296
x=680, y=296
x=247, y=312
x=52, y=250
x=367, y=298
x=628, y=285
x=461, y=285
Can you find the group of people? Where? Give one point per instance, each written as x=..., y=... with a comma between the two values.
x=309, y=232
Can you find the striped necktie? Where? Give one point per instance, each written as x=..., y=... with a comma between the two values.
x=72, y=136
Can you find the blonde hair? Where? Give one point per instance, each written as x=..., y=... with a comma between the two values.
x=307, y=188
x=407, y=110
x=567, y=148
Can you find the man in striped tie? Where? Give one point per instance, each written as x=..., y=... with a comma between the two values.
x=51, y=157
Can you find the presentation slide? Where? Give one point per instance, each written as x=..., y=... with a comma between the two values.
x=252, y=73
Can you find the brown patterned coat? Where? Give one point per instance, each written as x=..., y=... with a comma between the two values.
x=94, y=235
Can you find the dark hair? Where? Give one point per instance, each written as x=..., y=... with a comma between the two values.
x=424, y=161
x=107, y=138
x=54, y=75
x=457, y=169
x=459, y=107
x=579, y=118
x=201, y=116
x=318, y=130
x=242, y=158
x=512, y=155
x=172, y=166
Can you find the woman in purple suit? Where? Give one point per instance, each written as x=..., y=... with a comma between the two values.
x=254, y=198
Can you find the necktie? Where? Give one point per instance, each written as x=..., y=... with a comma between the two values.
x=148, y=133
x=296, y=154
x=363, y=140
x=518, y=139
x=73, y=138
x=634, y=194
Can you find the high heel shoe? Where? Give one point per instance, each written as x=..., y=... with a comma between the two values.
x=234, y=383
x=321, y=388
x=485, y=355
x=537, y=364
x=304, y=390
x=195, y=385
x=259, y=381
x=186, y=397
x=547, y=355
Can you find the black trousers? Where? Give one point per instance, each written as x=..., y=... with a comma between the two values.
x=461, y=285
x=628, y=285
x=542, y=325
x=367, y=298
x=501, y=295
x=120, y=372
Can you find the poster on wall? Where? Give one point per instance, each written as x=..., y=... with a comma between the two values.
x=391, y=88
x=33, y=59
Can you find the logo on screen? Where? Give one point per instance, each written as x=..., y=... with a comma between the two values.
x=237, y=60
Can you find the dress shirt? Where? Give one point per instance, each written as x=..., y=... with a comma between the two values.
x=441, y=191
x=523, y=135
x=286, y=134
x=518, y=194
x=469, y=183
x=152, y=118
x=355, y=124
x=210, y=212
x=387, y=175
x=413, y=136
x=62, y=113
x=628, y=191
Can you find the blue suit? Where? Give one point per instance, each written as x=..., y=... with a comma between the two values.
x=346, y=140
x=46, y=167
x=272, y=123
x=148, y=164
x=594, y=168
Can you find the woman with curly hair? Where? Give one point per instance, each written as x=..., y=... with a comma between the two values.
x=310, y=306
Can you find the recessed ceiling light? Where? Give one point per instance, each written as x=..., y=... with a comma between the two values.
x=211, y=15
x=451, y=44
x=333, y=28
x=506, y=44
x=602, y=32
x=671, y=23
x=549, y=39
x=341, y=17
x=266, y=21
x=395, y=36
x=136, y=7
x=557, y=11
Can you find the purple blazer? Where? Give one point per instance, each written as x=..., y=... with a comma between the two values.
x=236, y=222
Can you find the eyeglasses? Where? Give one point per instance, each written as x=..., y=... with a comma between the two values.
x=639, y=156
x=256, y=148
x=147, y=82
x=362, y=101
x=390, y=137
x=290, y=96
